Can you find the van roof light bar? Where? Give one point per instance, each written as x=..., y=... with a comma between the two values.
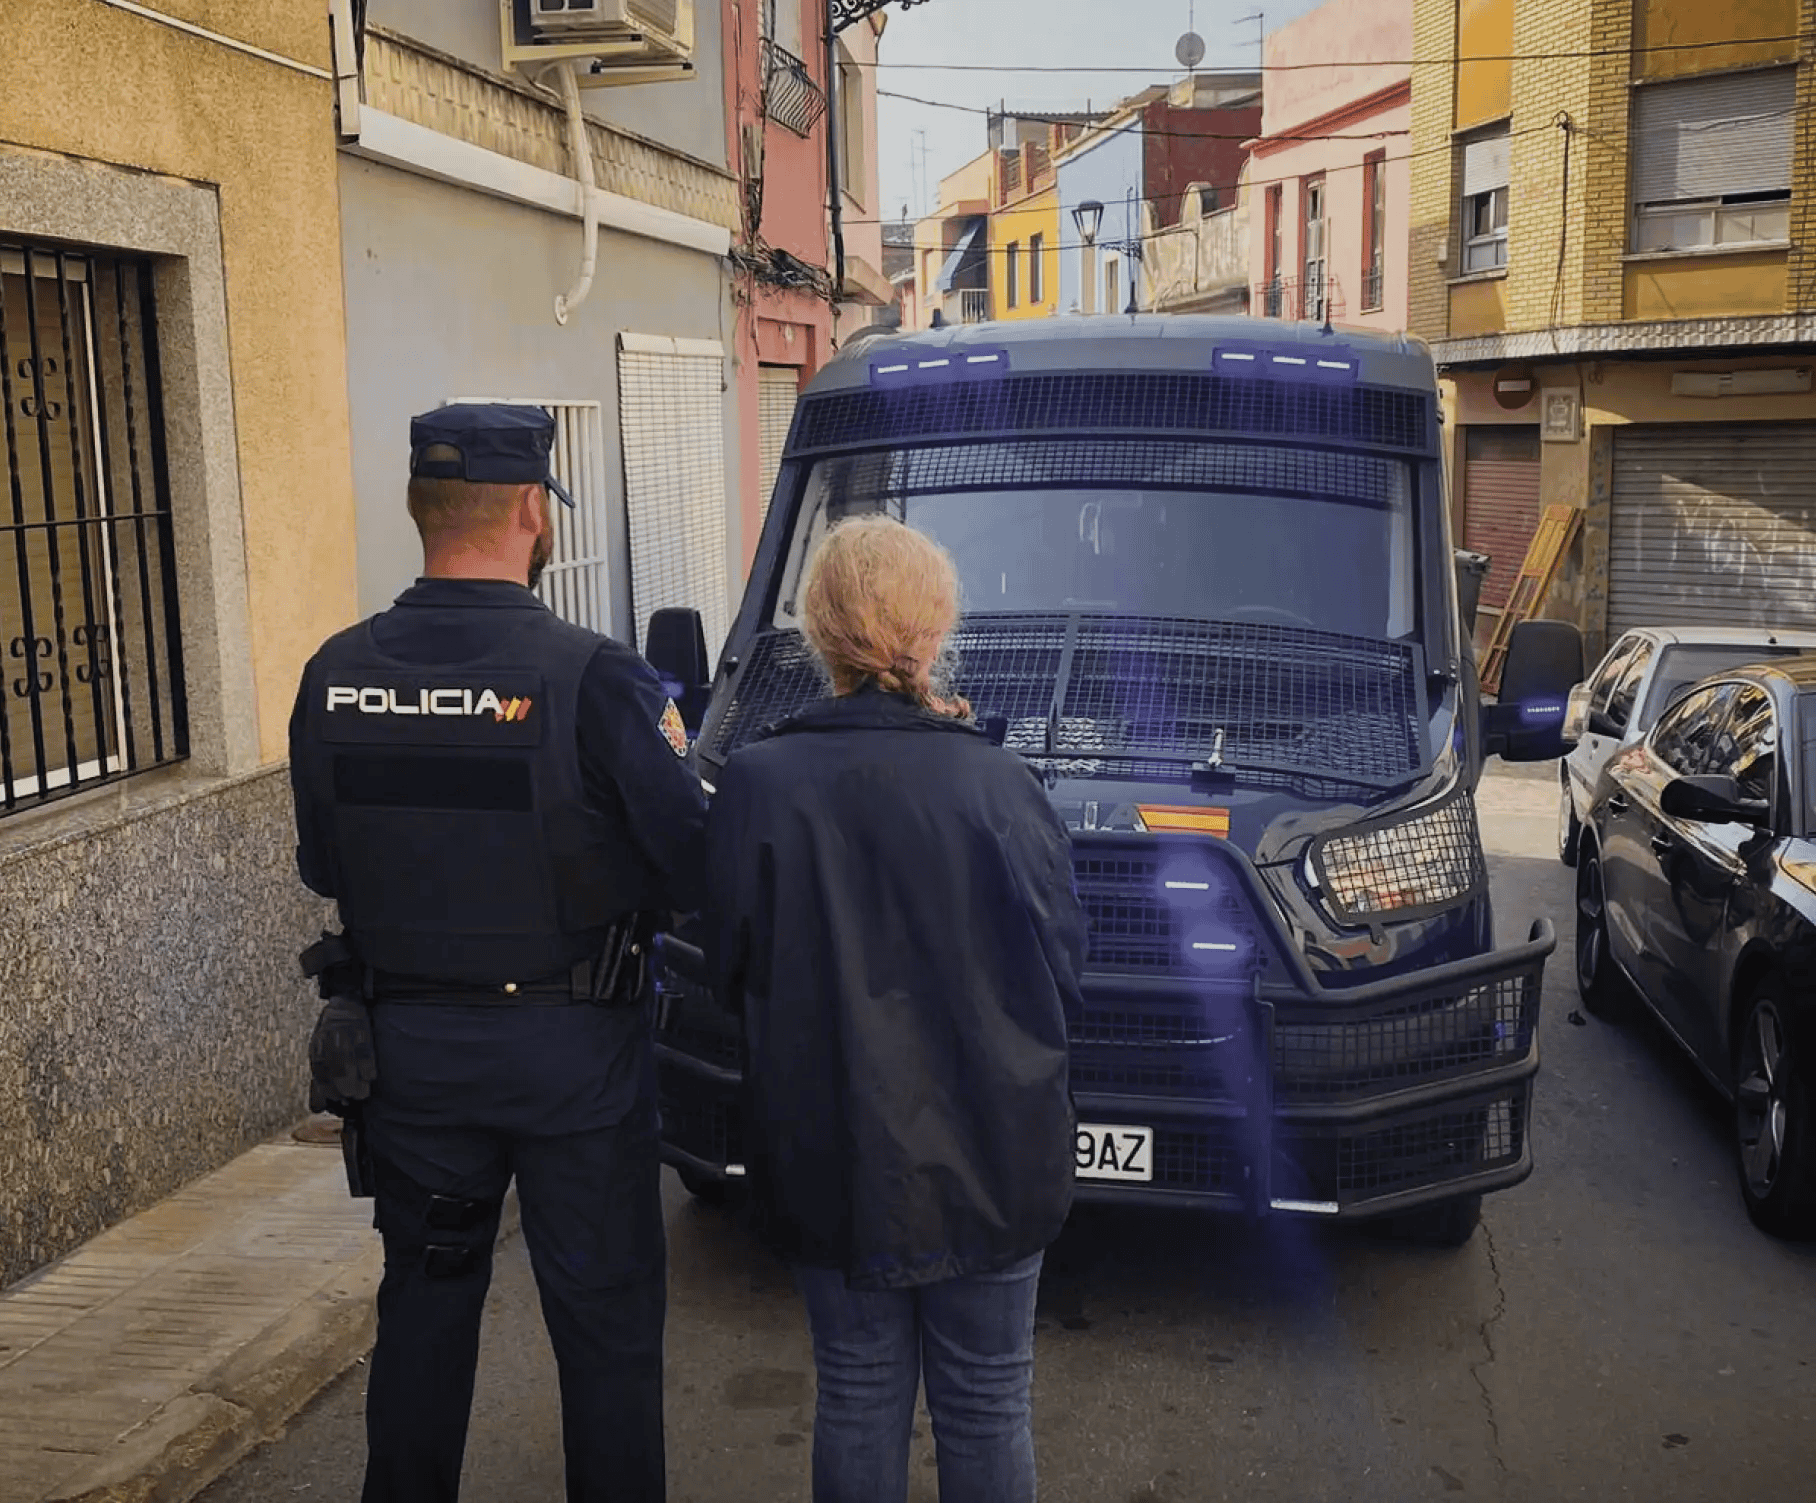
x=1328, y=364
x=915, y=368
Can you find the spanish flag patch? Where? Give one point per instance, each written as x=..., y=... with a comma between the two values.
x=674, y=728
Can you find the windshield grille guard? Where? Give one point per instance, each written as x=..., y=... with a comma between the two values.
x=1111, y=401
x=1207, y=694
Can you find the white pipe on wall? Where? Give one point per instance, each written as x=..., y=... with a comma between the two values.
x=580, y=148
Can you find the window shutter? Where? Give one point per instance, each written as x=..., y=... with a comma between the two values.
x=1707, y=137
x=778, y=389
x=1485, y=164
x=671, y=403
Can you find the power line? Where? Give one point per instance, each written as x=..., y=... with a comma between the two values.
x=1037, y=118
x=1384, y=160
x=1417, y=62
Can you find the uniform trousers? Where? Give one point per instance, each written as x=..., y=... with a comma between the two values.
x=592, y=1220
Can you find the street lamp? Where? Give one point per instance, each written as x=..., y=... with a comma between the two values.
x=1088, y=216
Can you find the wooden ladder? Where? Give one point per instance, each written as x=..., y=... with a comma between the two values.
x=1557, y=530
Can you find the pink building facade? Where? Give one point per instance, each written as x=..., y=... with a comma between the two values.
x=791, y=308
x=1328, y=181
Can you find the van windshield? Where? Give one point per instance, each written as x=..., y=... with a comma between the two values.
x=1282, y=536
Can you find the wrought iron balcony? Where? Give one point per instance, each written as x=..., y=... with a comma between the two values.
x=790, y=96
x=1318, y=298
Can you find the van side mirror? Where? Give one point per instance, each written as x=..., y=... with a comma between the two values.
x=675, y=646
x=1712, y=799
x=1544, y=662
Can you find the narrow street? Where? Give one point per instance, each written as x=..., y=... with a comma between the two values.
x=1616, y=1330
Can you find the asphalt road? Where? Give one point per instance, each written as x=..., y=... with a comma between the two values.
x=1617, y=1329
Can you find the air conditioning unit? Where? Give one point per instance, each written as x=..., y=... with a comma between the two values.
x=604, y=20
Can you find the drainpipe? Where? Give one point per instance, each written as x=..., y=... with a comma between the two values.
x=580, y=148
x=837, y=193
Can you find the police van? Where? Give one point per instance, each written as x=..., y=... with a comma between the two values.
x=1209, y=595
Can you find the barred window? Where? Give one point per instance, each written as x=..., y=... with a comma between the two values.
x=89, y=634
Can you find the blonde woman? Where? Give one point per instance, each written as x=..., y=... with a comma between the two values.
x=893, y=914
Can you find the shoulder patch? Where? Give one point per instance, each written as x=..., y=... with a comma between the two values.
x=674, y=728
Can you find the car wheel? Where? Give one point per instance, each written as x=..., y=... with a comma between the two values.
x=1598, y=980
x=1449, y=1223
x=1772, y=1116
x=1569, y=827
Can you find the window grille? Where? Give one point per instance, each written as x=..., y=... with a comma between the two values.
x=90, y=639
x=671, y=401
x=576, y=586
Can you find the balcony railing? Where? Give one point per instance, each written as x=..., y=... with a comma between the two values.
x=1287, y=297
x=974, y=305
x=790, y=96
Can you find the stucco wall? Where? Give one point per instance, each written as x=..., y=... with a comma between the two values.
x=1107, y=170
x=1017, y=226
x=1362, y=38
x=262, y=136
x=688, y=116
x=449, y=294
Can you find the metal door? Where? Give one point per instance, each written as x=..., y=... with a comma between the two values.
x=1501, y=501
x=1713, y=524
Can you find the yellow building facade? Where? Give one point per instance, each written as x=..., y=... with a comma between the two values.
x=1024, y=255
x=181, y=516
x=1613, y=252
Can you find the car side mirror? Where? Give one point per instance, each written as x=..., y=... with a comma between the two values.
x=1576, y=715
x=1713, y=799
x=1544, y=659
x=675, y=646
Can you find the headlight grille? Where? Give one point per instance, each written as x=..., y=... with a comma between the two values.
x=1403, y=866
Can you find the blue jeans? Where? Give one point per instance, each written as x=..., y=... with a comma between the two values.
x=973, y=1338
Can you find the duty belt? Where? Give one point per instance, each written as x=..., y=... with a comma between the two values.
x=574, y=985
x=614, y=975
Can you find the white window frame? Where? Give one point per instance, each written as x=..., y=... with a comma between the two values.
x=577, y=584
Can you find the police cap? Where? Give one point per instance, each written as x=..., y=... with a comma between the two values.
x=490, y=443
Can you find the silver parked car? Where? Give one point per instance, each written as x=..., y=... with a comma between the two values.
x=1643, y=674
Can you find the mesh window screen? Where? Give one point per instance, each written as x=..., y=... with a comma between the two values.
x=671, y=408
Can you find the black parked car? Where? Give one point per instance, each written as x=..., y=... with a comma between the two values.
x=1696, y=889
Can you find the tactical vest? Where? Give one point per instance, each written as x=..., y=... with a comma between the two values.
x=465, y=850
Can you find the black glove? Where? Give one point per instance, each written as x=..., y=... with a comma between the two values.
x=342, y=1061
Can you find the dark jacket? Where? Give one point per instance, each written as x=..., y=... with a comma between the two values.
x=891, y=909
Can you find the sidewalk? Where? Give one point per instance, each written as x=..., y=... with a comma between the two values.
x=141, y=1366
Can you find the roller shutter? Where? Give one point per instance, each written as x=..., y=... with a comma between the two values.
x=778, y=389
x=1708, y=137
x=671, y=403
x=1713, y=524
x=1500, y=501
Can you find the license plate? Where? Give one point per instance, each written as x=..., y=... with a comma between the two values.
x=1108, y=1151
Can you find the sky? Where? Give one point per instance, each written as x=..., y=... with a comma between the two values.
x=918, y=144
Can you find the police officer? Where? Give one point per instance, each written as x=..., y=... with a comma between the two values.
x=496, y=801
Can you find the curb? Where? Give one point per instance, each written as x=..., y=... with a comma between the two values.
x=247, y=1400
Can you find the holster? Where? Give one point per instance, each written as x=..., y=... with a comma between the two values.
x=623, y=964
x=335, y=969
x=356, y=1152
